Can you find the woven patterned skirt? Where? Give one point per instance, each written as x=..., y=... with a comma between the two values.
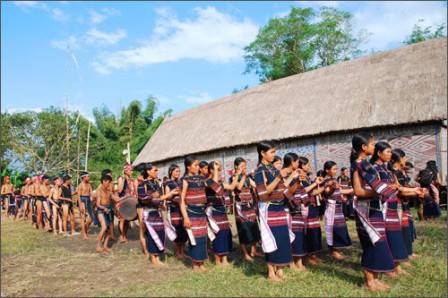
x=247, y=225
x=155, y=220
x=313, y=234
x=298, y=246
x=199, y=224
x=222, y=244
x=278, y=223
x=375, y=257
x=341, y=237
x=394, y=233
x=178, y=224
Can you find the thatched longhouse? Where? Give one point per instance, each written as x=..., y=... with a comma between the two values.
x=399, y=95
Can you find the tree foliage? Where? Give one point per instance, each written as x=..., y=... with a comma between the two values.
x=420, y=34
x=36, y=141
x=303, y=40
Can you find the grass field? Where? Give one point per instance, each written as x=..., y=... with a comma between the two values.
x=36, y=263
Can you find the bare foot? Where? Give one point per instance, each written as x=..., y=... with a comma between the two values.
x=203, y=269
x=274, y=278
x=257, y=255
x=381, y=285
x=413, y=256
x=248, y=258
x=160, y=263
x=99, y=249
x=337, y=255
x=85, y=237
x=279, y=273
x=392, y=274
x=197, y=269
x=400, y=271
x=106, y=249
x=180, y=257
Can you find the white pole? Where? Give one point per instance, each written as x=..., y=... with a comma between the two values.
x=87, y=146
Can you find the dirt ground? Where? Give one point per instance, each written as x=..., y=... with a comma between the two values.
x=70, y=266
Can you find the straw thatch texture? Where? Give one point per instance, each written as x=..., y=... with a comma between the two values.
x=405, y=85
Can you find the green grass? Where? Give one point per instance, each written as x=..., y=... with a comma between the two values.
x=33, y=260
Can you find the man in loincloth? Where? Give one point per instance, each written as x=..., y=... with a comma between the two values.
x=85, y=203
x=6, y=193
x=104, y=206
x=67, y=205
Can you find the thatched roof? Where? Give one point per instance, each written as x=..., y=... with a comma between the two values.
x=405, y=85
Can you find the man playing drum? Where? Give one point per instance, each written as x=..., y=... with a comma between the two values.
x=125, y=189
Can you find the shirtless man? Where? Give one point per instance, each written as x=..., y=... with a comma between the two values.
x=6, y=193
x=104, y=205
x=54, y=198
x=46, y=187
x=85, y=203
x=125, y=189
x=39, y=198
x=67, y=205
x=26, y=200
x=108, y=172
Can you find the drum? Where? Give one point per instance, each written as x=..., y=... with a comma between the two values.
x=128, y=208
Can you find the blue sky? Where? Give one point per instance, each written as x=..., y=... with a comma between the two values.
x=183, y=53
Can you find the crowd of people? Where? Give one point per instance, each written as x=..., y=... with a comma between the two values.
x=278, y=207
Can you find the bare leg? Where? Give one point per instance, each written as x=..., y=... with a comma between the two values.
x=82, y=210
x=271, y=274
x=122, y=238
x=48, y=213
x=217, y=260
x=196, y=266
x=6, y=207
x=224, y=260
x=111, y=229
x=202, y=267
x=64, y=217
x=254, y=253
x=142, y=228
x=279, y=272
x=55, y=218
x=25, y=210
x=247, y=257
x=72, y=222
x=99, y=246
x=39, y=214
x=299, y=263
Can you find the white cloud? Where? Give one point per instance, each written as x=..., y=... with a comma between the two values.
x=100, y=68
x=391, y=22
x=96, y=17
x=213, y=36
x=59, y=15
x=97, y=37
x=62, y=44
x=27, y=3
x=197, y=99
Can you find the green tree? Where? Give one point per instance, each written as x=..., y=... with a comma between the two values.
x=37, y=140
x=420, y=34
x=301, y=41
